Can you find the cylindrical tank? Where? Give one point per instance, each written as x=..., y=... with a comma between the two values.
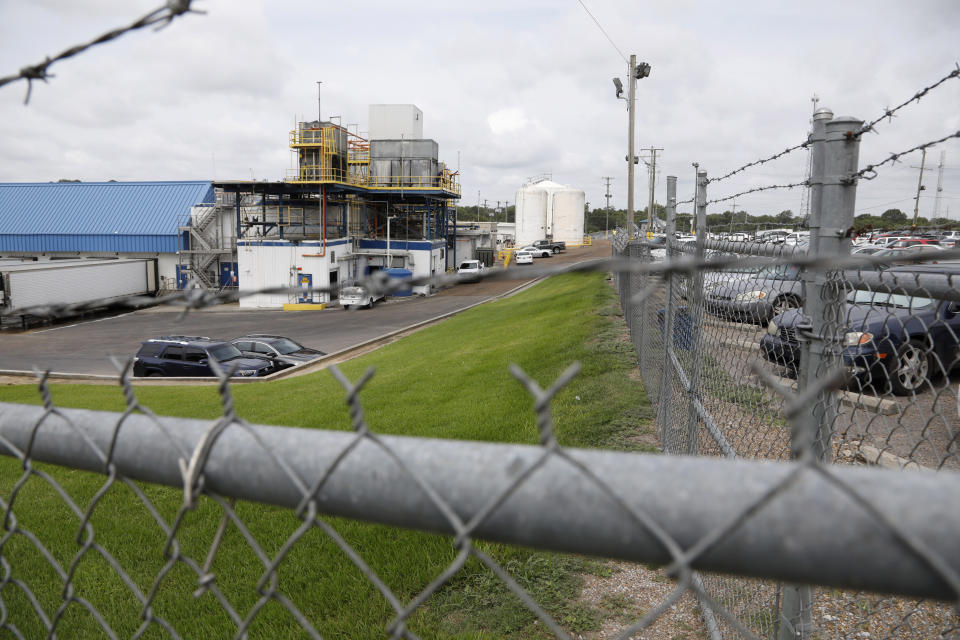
x=548, y=209
x=568, y=206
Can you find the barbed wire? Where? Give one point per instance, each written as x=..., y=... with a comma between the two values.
x=161, y=16
x=889, y=113
x=805, y=183
x=755, y=163
x=893, y=157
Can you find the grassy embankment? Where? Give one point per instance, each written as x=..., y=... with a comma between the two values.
x=448, y=381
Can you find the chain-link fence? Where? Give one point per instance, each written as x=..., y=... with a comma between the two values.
x=803, y=352
x=805, y=397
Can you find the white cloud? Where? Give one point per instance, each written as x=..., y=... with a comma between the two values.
x=517, y=88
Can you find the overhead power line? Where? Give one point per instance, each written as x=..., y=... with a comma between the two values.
x=602, y=30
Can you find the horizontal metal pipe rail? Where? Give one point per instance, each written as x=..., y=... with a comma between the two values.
x=927, y=285
x=838, y=541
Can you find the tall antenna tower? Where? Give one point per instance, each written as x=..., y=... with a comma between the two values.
x=805, y=194
x=936, y=202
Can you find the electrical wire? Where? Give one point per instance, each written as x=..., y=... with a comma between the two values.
x=602, y=30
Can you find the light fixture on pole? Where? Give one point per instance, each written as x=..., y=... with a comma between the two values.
x=634, y=72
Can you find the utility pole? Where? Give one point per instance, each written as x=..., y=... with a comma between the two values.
x=653, y=181
x=936, y=202
x=631, y=159
x=606, y=227
x=916, y=205
x=634, y=72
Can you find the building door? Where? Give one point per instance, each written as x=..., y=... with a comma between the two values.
x=334, y=282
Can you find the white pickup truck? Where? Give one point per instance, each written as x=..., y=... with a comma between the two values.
x=358, y=297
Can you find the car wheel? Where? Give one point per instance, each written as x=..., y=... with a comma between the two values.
x=370, y=303
x=154, y=374
x=784, y=304
x=556, y=251
x=910, y=370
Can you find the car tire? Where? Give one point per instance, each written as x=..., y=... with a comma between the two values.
x=911, y=369
x=154, y=374
x=556, y=251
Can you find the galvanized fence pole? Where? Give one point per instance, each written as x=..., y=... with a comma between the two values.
x=696, y=302
x=665, y=401
x=638, y=327
x=835, y=154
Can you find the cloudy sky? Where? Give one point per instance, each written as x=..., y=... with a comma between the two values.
x=509, y=89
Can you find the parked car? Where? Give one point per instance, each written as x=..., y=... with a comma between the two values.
x=523, y=257
x=910, y=242
x=892, y=340
x=713, y=279
x=772, y=291
x=470, y=271
x=537, y=252
x=356, y=296
x=282, y=351
x=797, y=237
x=556, y=246
x=190, y=356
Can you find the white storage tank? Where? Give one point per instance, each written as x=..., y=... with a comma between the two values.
x=568, y=206
x=549, y=209
x=531, y=215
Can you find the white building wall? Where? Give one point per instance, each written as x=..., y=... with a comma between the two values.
x=281, y=264
x=395, y=121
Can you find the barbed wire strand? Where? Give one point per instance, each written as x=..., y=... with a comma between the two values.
x=161, y=16
x=805, y=183
x=889, y=113
x=893, y=157
x=788, y=150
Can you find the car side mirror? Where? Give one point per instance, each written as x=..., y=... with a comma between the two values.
x=953, y=308
x=202, y=361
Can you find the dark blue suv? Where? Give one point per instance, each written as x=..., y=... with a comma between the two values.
x=190, y=356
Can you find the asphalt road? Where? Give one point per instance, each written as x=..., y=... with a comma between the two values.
x=86, y=347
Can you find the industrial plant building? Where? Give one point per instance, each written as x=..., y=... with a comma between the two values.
x=350, y=205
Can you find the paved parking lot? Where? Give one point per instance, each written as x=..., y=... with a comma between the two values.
x=86, y=347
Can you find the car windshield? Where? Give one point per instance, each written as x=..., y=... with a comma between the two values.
x=469, y=265
x=889, y=300
x=225, y=352
x=286, y=346
x=779, y=272
x=352, y=291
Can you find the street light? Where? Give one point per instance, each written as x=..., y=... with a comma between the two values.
x=634, y=72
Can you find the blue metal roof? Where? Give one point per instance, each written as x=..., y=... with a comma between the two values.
x=96, y=216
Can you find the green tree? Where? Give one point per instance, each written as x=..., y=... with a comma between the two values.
x=893, y=216
x=785, y=216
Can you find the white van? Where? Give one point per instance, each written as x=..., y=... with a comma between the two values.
x=796, y=238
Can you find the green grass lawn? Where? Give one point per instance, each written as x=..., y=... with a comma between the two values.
x=448, y=381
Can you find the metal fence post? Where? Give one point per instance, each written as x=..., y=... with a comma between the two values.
x=638, y=325
x=696, y=302
x=665, y=400
x=832, y=203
